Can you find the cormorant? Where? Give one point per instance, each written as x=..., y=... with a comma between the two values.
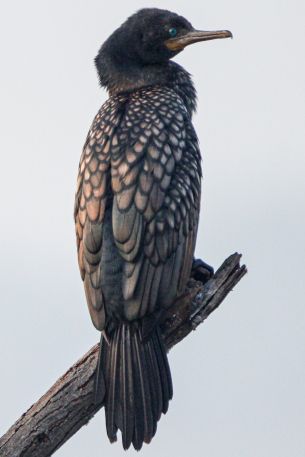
x=136, y=213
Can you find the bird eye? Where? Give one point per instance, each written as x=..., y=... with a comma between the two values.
x=173, y=32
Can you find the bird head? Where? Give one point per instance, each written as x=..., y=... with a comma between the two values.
x=149, y=37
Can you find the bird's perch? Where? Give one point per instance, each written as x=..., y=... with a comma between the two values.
x=67, y=405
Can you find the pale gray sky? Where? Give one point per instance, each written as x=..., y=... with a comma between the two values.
x=239, y=380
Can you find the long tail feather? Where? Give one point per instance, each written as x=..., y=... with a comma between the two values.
x=137, y=383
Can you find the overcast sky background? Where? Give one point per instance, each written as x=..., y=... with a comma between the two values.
x=239, y=380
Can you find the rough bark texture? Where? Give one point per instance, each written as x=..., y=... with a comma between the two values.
x=67, y=406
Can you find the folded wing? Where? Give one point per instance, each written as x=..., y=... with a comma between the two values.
x=93, y=196
x=156, y=184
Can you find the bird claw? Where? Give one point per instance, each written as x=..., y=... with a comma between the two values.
x=201, y=271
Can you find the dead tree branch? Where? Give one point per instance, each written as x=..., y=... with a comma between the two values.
x=67, y=405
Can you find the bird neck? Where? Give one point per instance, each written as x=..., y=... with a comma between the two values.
x=121, y=77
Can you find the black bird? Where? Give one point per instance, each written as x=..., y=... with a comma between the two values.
x=136, y=213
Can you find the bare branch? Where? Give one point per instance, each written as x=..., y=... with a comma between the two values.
x=67, y=405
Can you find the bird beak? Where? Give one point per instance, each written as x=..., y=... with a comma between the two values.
x=180, y=42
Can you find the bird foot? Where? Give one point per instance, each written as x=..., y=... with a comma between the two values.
x=201, y=271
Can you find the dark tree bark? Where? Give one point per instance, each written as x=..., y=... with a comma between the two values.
x=68, y=405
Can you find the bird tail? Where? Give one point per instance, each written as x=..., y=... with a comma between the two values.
x=134, y=374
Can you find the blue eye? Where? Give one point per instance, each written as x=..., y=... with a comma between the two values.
x=173, y=32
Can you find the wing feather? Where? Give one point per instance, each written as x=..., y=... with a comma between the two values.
x=92, y=196
x=140, y=166
x=156, y=185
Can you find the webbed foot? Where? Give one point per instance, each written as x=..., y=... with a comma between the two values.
x=201, y=271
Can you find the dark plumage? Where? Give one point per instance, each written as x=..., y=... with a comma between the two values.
x=136, y=213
